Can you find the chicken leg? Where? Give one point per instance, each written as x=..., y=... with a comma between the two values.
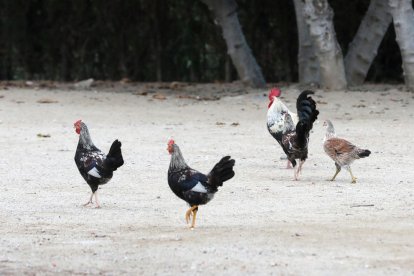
x=96, y=200
x=352, y=176
x=297, y=172
x=190, y=212
x=90, y=201
x=301, y=162
x=338, y=169
x=194, y=217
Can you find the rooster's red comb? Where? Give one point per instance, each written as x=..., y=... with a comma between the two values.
x=274, y=92
x=77, y=122
x=171, y=141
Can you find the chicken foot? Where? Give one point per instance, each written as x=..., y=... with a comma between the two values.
x=96, y=200
x=192, y=211
x=298, y=171
x=353, y=181
x=90, y=200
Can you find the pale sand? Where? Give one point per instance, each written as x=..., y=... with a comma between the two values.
x=260, y=222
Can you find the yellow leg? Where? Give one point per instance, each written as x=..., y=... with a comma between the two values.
x=333, y=178
x=338, y=169
x=194, y=217
x=352, y=176
x=189, y=213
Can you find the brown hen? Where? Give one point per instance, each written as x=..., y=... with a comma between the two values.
x=341, y=151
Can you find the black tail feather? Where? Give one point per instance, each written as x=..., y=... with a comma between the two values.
x=307, y=113
x=222, y=171
x=114, y=158
x=364, y=153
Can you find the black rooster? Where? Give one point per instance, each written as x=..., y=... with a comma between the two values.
x=294, y=139
x=193, y=186
x=94, y=166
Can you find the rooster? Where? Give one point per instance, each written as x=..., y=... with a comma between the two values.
x=275, y=123
x=94, y=166
x=192, y=186
x=342, y=152
x=291, y=131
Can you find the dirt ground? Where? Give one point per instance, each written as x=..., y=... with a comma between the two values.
x=260, y=222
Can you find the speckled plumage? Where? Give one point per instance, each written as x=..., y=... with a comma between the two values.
x=193, y=186
x=292, y=136
x=341, y=151
x=188, y=183
x=95, y=166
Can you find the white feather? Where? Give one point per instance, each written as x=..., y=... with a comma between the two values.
x=199, y=188
x=275, y=117
x=94, y=172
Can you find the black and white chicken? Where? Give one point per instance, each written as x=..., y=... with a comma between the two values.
x=193, y=186
x=94, y=166
x=292, y=136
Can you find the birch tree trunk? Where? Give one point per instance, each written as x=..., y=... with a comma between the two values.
x=364, y=46
x=308, y=64
x=403, y=16
x=225, y=13
x=318, y=15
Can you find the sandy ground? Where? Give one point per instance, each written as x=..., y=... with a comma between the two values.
x=260, y=222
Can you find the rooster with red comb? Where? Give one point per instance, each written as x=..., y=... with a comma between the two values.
x=193, y=186
x=291, y=130
x=275, y=122
x=94, y=166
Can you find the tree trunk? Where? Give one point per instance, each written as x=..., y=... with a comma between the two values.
x=318, y=15
x=225, y=13
x=364, y=46
x=158, y=36
x=308, y=64
x=403, y=16
x=227, y=69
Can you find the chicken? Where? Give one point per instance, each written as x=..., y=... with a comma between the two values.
x=275, y=122
x=94, y=166
x=192, y=186
x=293, y=137
x=342, y=152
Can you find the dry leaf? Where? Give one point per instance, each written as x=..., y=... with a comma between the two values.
x=220, y=123
x=206, y=98
x=235, y=124
x=125, y=80
x=177, y=85
x=185, y=97
x=359, y=105
x=40, y=135
x=159, y=97
x=144, y=93
x=47, y=101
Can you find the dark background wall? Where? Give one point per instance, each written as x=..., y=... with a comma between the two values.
x=161, y=40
